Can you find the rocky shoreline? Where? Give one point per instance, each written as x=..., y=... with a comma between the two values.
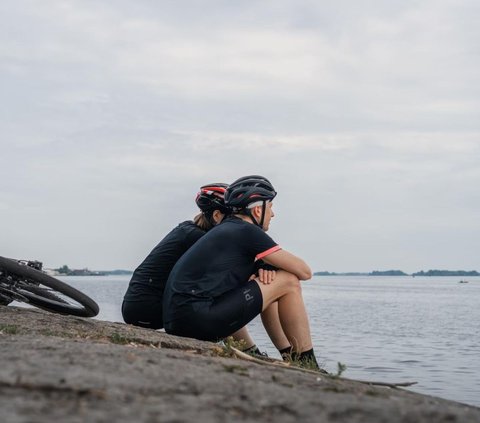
x=70, y=369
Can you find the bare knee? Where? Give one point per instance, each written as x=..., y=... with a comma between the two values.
x=292, y=283
x=285, y=283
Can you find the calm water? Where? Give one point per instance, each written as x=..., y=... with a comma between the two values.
x=392, y=329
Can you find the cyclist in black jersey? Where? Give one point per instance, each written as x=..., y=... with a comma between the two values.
x=209, y=292
x=142, y=304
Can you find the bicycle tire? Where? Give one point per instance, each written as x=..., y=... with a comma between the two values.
x=5, y=301
x=41, y=292
x=46, y=298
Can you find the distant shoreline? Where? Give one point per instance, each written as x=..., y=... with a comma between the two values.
x=463, y=273
x=434, y=272
x=87, y=272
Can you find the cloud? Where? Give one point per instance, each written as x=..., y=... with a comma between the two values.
x=365, y=116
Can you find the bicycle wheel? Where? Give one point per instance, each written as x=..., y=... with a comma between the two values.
x=47, y=292
x=5, y=301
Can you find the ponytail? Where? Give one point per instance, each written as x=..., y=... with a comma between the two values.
x=202, y=222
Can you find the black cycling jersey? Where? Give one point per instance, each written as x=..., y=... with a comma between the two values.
x=221, y=261
x=143, y=299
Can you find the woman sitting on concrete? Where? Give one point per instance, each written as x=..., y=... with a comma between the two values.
x=210, y=294
x=142, y=303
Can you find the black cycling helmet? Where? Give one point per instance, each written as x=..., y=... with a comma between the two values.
x=248, y=190
x=211, y=198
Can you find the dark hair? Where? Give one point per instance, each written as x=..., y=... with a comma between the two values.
x=203, y=222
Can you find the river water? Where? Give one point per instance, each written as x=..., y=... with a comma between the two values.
x=392, y=329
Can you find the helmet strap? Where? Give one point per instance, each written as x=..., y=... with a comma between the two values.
x=262, y=219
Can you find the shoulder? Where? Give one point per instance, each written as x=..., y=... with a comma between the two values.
x=247, y=229
x=190, y=230
x=188, y=225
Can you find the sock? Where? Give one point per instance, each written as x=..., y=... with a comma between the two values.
x=306, y=359
x=286, y=353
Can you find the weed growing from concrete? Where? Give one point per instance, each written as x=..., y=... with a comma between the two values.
x=340, y=369
x=116, y=338
x=225, y=348
x=9, y=329
x=233, y=368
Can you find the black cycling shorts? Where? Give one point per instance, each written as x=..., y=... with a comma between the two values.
x=147, y=314
x=222, y=317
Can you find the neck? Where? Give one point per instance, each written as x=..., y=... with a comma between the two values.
x=244, y=218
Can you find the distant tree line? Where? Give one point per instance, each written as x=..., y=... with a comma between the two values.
x=66, y=271
x=401, y=273
x=447, y=273
x=374, y=273
x=387, y=273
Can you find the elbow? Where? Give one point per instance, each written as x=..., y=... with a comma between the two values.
x=305, y=274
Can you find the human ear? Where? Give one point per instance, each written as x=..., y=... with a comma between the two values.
x=257, y=210
x=217, y=216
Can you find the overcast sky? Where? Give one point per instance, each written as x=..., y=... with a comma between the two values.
x=365, y=115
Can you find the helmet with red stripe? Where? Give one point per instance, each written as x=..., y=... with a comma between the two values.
x=211, y=198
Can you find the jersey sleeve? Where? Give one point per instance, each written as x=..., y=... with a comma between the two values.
x=258, y=243
x=267, y=252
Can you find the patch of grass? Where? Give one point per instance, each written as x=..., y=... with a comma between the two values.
x=50, y=332
x=9, y=329
x=225, y=350
x=373, y=393
x=116, y=338
x=239, y=345
x=305, y=363
x=335, y=389
x=233, y=368
x=340, y=369
x=309, y=364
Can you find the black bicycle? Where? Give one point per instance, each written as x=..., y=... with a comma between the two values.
x=24, y=280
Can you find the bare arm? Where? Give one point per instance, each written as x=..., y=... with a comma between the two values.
x=290, y=263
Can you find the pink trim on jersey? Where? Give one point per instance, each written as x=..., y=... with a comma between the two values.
x=267, y=252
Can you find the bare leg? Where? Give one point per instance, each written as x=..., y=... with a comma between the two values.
x=291, y=309
x=271, y=322
x=243, y=335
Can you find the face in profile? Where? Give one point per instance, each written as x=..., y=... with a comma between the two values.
x=268, y=216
